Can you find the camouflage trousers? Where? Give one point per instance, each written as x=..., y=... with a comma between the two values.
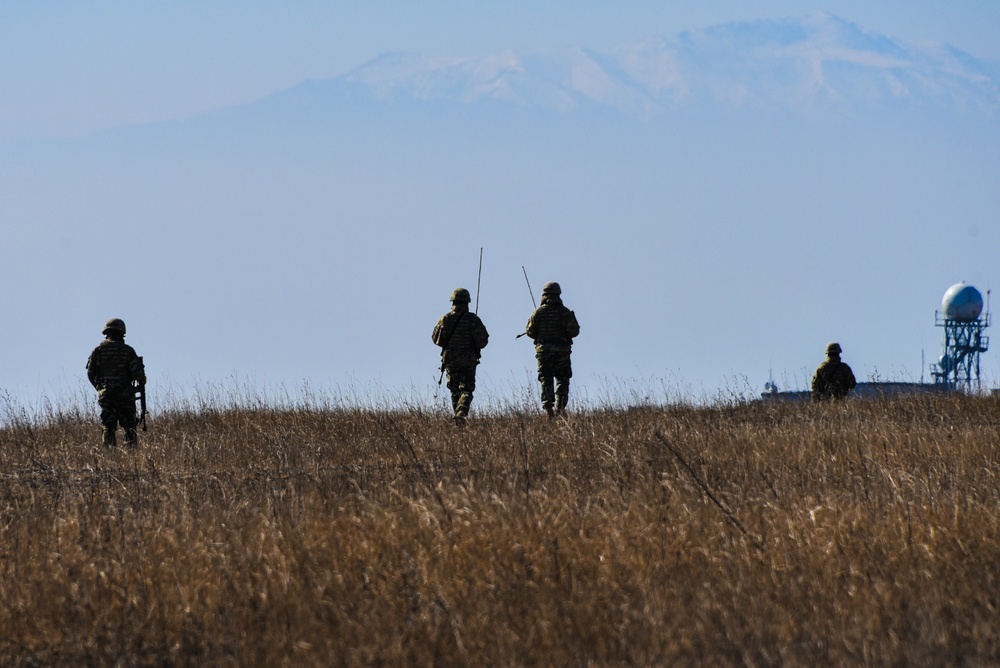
x=554, y=372
x=118, y=409
x=462, y=383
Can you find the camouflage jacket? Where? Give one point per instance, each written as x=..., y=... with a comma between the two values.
x=833, y=379
x=552, y=326
x=461, y=336
x=113, y=366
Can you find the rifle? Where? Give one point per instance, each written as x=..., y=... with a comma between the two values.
x=533, y=302
x=140, y=394
x=440, y=378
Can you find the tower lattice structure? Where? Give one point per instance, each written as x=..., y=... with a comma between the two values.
x=964, y=341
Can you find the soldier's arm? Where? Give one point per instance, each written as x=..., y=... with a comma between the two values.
x=482, y=336
x=92, y=370
x=436, y=334
x=572, y=326
x=531, y=329
x=137, y=369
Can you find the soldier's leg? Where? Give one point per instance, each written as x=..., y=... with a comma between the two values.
x=546, y=377
x=562, y=394
x=129, y=421
x=455, y=387
x=468, y=387
x=563, y=372
x=109, y=421
x=548, y=394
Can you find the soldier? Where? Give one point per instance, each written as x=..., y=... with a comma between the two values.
x=833, y=379
x=553, y=327
x=461, y=336
x=116, y=372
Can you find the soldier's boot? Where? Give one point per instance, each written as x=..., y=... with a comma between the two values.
x=108, y=436
x=548, y=410
x=131, y=438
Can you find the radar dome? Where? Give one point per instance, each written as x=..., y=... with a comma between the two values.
x=962, y=302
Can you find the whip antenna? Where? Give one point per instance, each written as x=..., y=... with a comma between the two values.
x=533, y=303
x=480, y=279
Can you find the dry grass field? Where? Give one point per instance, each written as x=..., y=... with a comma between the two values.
x=860, y=533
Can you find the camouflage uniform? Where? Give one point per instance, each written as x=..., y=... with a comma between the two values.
x=461, y=336
x=833, y=379
x=553, y=327
x=114, y=369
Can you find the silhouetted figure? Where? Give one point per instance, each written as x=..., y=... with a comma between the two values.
x=116, y=372
x=833, y=379
x=553, y=327
x=461, y=336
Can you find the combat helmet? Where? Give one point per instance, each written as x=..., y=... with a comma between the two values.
x=461, y=295
x=114, y=325
x=551, y=288
x=833, y=348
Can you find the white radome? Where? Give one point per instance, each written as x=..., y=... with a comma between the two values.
x=962, y=302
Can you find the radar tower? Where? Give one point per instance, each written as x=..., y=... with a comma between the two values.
x=963, y=321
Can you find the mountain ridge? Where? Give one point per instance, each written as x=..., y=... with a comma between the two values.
x=820, y=66
x=802, y=65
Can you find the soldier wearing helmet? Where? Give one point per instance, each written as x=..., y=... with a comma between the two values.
x=553, y=327
x=461, y=335
x=116, y=371
x=833, y=379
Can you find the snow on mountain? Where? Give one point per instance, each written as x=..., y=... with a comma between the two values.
x=800, y=65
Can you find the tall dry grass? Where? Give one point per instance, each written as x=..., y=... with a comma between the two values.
x=748, y=534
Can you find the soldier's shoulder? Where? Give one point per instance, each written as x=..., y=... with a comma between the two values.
x=120, y=345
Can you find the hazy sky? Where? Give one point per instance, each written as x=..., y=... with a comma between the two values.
x=726, y=260
x=70, y=67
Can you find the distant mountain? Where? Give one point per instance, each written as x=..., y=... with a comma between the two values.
x=818, y=63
